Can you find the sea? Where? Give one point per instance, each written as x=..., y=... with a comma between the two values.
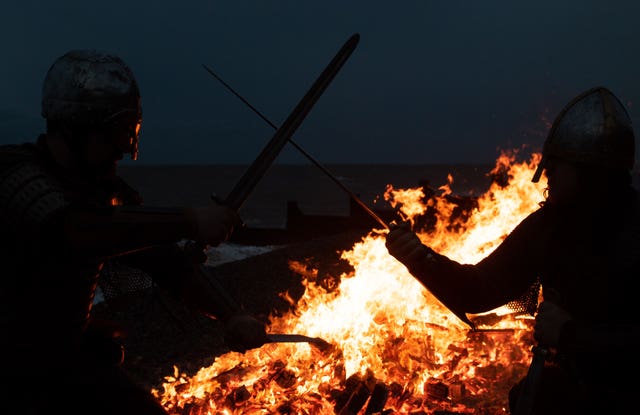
x=325, y=190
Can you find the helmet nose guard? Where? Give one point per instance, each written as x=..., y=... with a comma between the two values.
x=594, y=128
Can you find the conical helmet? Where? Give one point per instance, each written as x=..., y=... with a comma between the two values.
x=594, y=128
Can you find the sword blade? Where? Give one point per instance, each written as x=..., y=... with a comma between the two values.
x=292, y=338
x=319, y=344
x=243, y=188
x=353, y=196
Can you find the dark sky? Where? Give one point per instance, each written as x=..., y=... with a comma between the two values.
x=430, y=82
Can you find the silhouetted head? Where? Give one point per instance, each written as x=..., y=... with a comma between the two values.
x=590, y=143
x=89, y=93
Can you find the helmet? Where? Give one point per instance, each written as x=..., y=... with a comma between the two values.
x=594, y=128
x=89, y=87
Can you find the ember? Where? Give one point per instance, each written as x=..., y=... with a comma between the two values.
x=395, y=347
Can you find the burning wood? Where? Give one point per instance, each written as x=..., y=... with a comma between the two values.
x=355, y=394
x=395, y=348
x=238, y=396
x=378, y=399
x=437, y=390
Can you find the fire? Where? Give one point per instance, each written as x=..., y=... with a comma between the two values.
x=393, y=347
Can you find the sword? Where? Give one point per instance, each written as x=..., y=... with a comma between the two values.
x=295, y=338
x=243, y=188
x=320, y=344
x=353, y=196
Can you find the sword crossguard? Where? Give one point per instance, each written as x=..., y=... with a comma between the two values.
x=218, y=200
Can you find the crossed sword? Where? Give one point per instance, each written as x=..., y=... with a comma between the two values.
x=353, y=196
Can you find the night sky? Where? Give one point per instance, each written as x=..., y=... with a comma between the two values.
x=430, y=82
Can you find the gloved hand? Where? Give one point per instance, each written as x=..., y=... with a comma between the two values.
x=403, y=244
x=244, y=332
x=213, y=224
x=550, y=321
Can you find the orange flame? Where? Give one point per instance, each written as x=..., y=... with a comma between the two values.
x=387, y=333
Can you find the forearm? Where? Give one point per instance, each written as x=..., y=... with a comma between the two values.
x=183, y=276
x=115, y=231
x=463, y=288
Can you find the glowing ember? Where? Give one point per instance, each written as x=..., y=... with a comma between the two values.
x=395, y=348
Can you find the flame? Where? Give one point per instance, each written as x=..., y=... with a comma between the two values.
x=390, y=341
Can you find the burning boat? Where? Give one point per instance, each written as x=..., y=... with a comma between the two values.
x=391, y=346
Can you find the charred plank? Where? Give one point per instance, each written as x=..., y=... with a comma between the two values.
x=378, y=399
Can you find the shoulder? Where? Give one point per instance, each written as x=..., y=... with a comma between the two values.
x=29, y=192
x=534, y=229
x=13, y=154
x=538, y=219
x=20, y=162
